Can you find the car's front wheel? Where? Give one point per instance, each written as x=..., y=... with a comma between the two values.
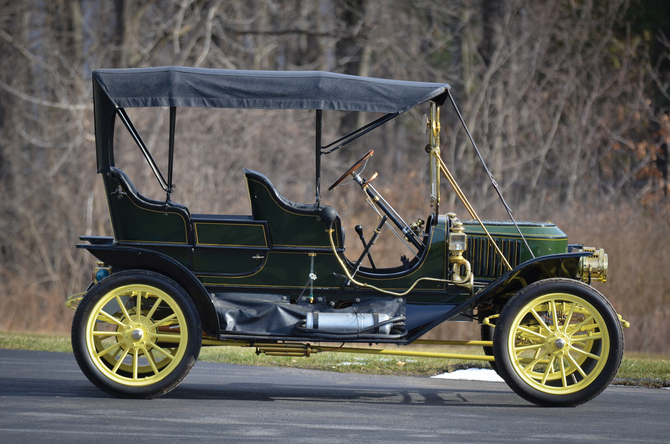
x=558, y=342
x=136, y=334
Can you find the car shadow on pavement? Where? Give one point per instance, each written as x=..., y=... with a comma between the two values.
x=428, y=396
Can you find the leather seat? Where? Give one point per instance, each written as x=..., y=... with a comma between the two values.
x=146, y=219
x=298, y=225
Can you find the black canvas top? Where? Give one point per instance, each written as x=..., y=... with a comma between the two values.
x=223, y=88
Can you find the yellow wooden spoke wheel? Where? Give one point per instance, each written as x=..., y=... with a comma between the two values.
x=136, y=334
x=558, y=342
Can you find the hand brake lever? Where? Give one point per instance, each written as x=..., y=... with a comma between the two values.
x=359, y=230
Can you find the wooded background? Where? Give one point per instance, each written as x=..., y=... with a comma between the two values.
x=567, y=99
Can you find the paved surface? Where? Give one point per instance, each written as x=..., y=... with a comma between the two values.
x=44, y=397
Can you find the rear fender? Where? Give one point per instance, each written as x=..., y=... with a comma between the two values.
x=126, y=258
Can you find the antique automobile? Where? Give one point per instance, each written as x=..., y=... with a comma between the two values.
x=279, y=280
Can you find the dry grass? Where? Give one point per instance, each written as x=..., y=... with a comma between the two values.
x=28, y=307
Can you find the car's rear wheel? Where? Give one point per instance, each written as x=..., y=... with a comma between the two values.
x=136, y=334
x=558, y=342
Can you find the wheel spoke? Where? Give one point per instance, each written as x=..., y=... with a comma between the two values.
x=580, y=325
x=138, y=306
x=528, y=347
x=110, y=317
x=585, y=338
x=563, y=376
x=529, y=331
x=579, y=369
x=152, y=361
x=120, y=361
x=548, y=370
x=164, y=320
x=568, y=317
x=109, y=350
x=590, y=355
x=162, y=350
x=528, y=360
x=113, y=352
x=123, y=307
x=106, y=334
x=554, y=315
x=135, y=359
x=154, y=308
x=539, y=319
x=168, y=337
x=588, y=333
x=534, y=362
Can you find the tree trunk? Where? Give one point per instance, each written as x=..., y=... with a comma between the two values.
x=351, y=53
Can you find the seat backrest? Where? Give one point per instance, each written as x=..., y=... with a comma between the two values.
x=290, y=224
x=137, y=218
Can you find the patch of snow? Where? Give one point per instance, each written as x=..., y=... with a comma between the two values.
x=472, y=374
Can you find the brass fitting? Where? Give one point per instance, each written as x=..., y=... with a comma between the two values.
x=458, y=244
x=593, y=267
x=417, y=227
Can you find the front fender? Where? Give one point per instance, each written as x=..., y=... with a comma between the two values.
x=565, y=265
x=126, y=258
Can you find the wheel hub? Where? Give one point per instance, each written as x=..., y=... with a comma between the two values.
x=137, y=334
x=557, y=344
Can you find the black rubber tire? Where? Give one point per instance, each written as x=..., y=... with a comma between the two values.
x=546, y=393
x=102, y=374
x=486, y=333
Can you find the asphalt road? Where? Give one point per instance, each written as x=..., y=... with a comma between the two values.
x=44, y=397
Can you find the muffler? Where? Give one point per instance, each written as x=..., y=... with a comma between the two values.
x=347, y=322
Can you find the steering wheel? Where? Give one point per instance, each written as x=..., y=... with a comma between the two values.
x=356, y=166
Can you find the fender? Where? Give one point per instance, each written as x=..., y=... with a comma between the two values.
x=565, y=265
x=126, y=258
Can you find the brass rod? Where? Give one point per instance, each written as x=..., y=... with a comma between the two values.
x=466, y=343
x=471, y=210
x=374, y=351
x=291, y=354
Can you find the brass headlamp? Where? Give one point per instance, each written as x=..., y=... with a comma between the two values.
x=458, y=244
